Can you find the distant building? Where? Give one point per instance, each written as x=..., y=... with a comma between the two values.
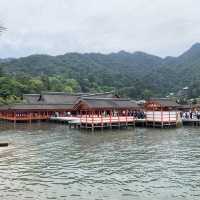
x=183, y=93
x=42, y=106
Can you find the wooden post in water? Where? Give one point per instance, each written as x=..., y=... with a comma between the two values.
x=101, y=120
x=81, y=119
x=118, y=119
x=29, y=118
x=92, y=121
x=86, y=119
x=176, y=118
x=110, y=118
x=134, y=121
x=14, y=118
x=153, y=118
x=126, y=118
x=7, y=116
x=161, y=117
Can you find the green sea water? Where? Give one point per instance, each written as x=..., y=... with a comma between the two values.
x=51, y=161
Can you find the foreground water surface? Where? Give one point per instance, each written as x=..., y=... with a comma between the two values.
x=49, y=161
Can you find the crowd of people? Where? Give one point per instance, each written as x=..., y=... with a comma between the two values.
x=139, y=114
x=190, y=115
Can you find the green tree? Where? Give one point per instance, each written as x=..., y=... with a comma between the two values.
x=147, y=94
x=68, y=89
x=73, y=84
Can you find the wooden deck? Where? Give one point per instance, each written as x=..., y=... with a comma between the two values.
x=95, y=121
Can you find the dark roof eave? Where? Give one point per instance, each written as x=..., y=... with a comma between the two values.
x=110, y=108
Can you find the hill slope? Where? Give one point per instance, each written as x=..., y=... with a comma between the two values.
x=177, y=72
x=130, y=73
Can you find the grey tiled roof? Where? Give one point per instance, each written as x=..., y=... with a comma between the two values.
x=31, y=98
x=111, y=103
x=165, y=102
x=58, y=98
x=61, y=97
x=24, y=107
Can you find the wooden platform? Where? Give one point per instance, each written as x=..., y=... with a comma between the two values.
x=87, y=122
x=191, y=122
x=65, y=119
x=95, y=122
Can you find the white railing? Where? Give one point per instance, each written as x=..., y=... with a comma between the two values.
x=162, y=116
x=98, y=119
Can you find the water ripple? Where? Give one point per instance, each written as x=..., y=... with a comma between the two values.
x=48, y=161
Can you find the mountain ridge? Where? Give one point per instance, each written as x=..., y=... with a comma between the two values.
x=121, y=71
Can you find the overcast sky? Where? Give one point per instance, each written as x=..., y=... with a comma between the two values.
x=161, y=27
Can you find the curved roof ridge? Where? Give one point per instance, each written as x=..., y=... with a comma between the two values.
x=105, y=98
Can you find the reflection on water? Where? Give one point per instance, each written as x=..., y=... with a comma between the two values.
x=48, y=161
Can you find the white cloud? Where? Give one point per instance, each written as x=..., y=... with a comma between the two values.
x=161, y=27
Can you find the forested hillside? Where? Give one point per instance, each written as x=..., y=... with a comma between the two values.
x=137, y=75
